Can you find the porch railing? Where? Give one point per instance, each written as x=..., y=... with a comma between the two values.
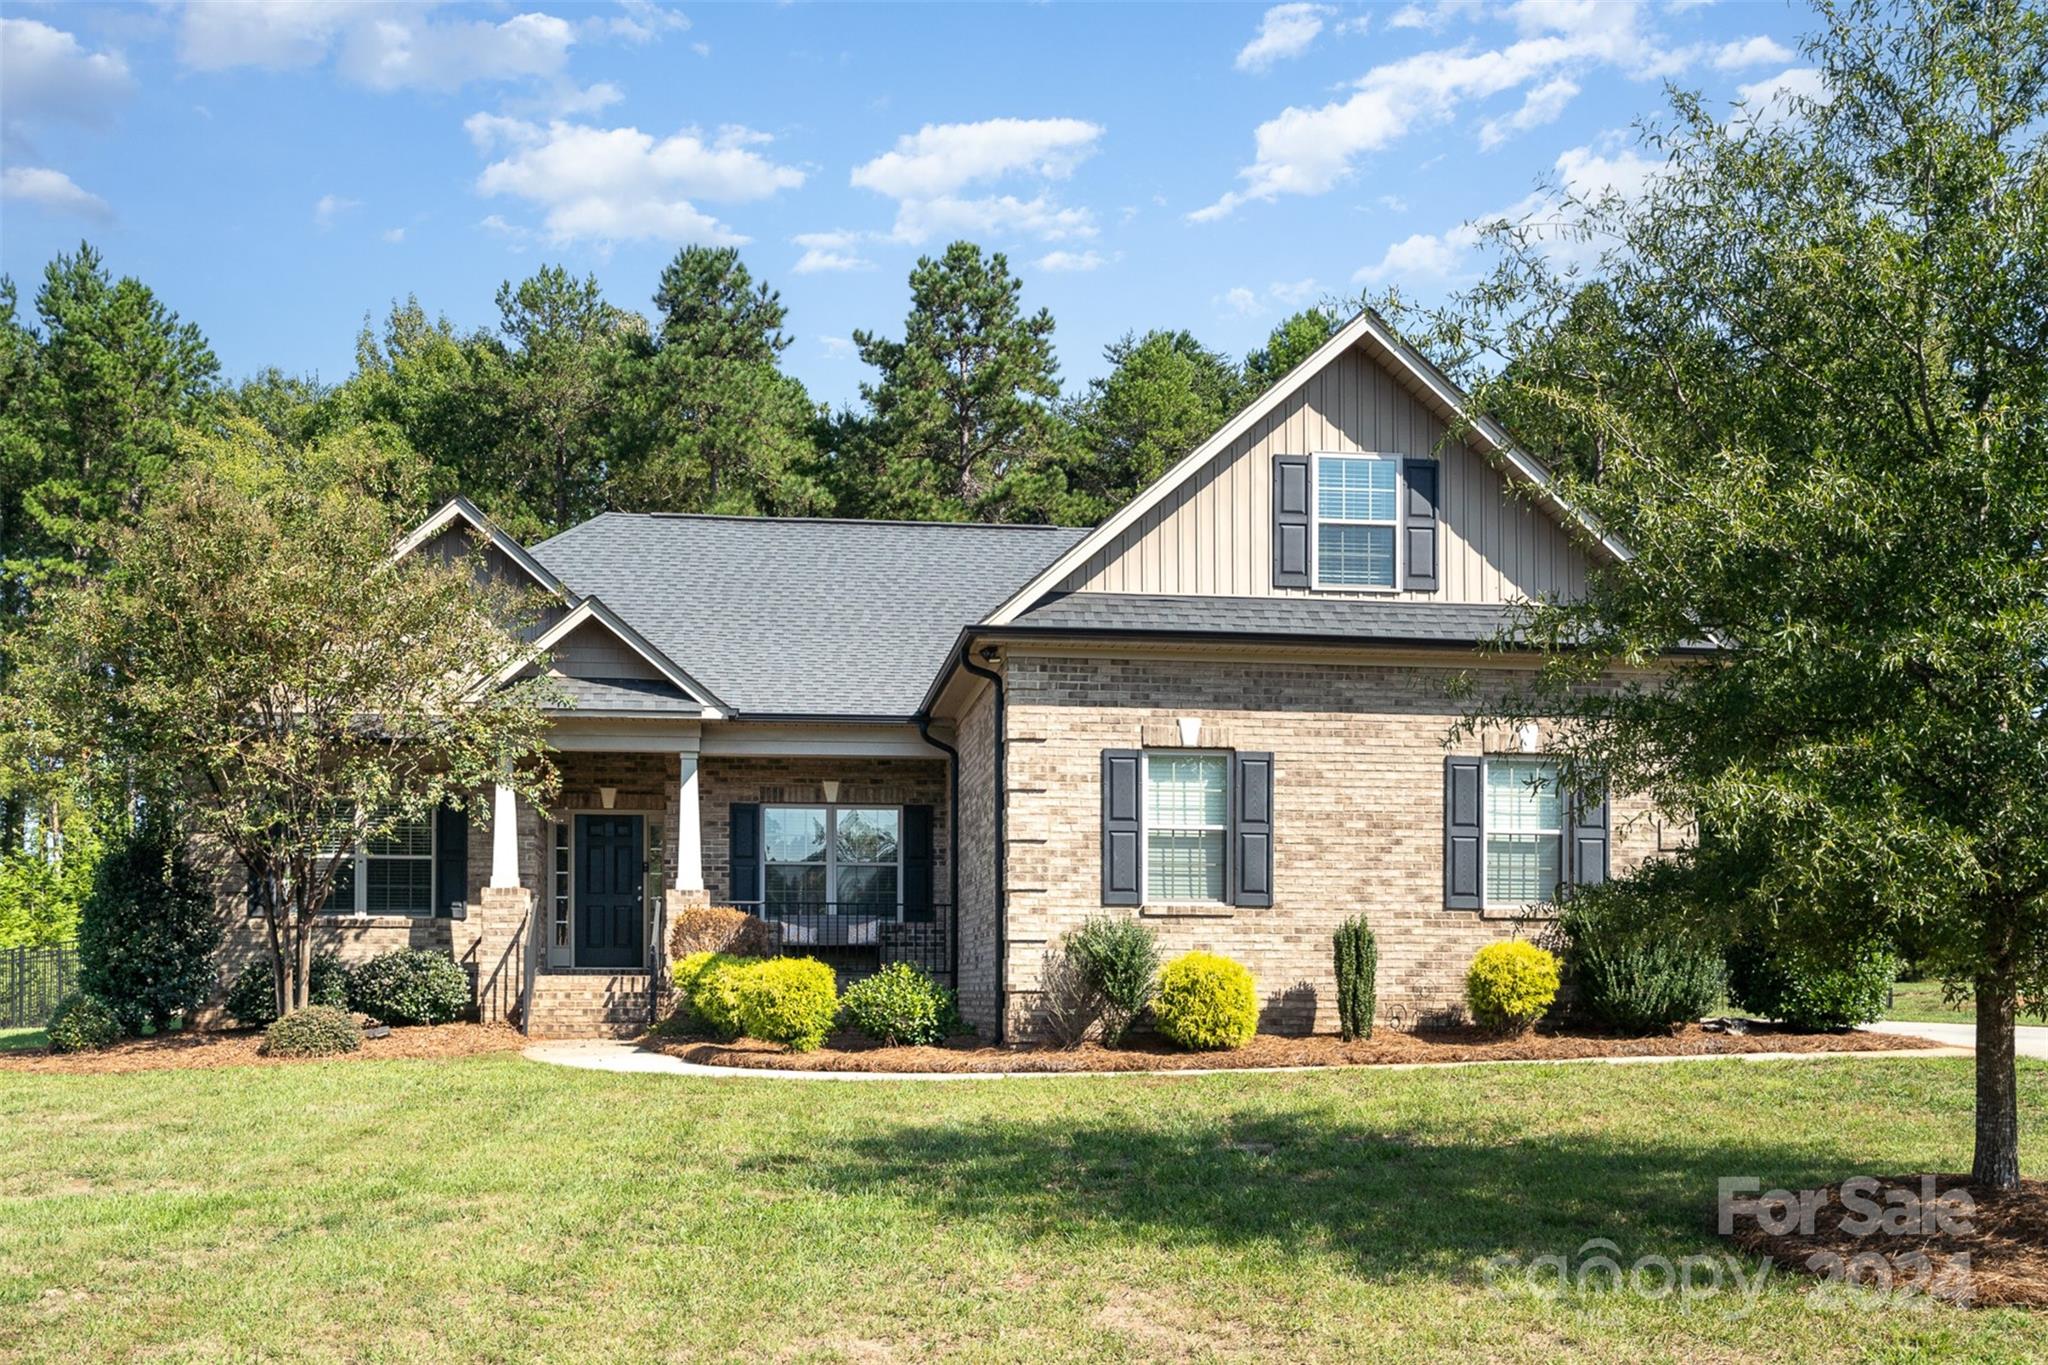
x=852, y=930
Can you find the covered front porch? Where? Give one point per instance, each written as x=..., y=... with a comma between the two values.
x=839, y=836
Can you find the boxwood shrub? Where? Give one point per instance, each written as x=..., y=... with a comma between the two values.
x=82, y=1023
x=1805, y=989
x=789, y=1000
x=315, y=1031
x=1206, y=1002
x=252, y=1000
x=409, y=986
x=1510, y=985
x=901, y=1005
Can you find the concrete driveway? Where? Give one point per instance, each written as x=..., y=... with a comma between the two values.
x=2029, y=1040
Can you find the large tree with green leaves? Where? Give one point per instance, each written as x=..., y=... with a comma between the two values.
x=1292, y=341
x=1807, y=384
x=711, y=423
x=1165, y=394
x=253, y=658
x=961, y=422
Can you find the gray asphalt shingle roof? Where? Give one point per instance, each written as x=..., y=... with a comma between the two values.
x=782, y=616
x=1304, y=617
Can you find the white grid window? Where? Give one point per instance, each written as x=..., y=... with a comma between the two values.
x=1357, y=520
x=1186, y=823
x=392, y=874
x=562, y=848
x=832, y=859
x=1524, y=831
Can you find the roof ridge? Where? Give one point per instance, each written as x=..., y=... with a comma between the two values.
x=836, y=521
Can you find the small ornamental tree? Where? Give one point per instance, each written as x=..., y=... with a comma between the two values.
x=255, y=651
x=1801, y=373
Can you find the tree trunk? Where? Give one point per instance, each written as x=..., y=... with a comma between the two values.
x=1997, y=1162
x=303, y=959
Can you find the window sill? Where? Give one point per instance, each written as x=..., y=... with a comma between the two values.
x=1540, y=910
x=1201, y=910
x=352, y=920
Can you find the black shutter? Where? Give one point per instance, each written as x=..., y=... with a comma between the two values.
x=1290, y=521
x=451, y=861
x=257, y=892
x=1418, y=525
x=917, y=864
x=1464, y=834
x=743, y=850
x=1587, y=864
x=341, y=892
x=1121, y=827
x=1251, y=829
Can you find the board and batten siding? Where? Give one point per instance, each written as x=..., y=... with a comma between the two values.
x=1213, y=535
x=591, y=651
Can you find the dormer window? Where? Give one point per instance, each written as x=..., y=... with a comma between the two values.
x=1357, y=521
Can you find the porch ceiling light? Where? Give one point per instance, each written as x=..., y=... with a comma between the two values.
x=831, y=789
x=607, y=795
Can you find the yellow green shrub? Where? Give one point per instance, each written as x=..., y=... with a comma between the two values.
x=788, y=1000
x=707, y=987
x=1206, y=1002
x=1510, y=985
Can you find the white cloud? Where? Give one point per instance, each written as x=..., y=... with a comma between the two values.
x=1540, y=106
x=829, y=251
x=48, y=76
x=926, y=170
x=644, y=21
x=1420, y=256
x=701, y=49
x=836, y=348
x=614, y=184
x=1769, y=101
x=1285, y=31
x=1309, y=151
x=383, y=46
x=1294, y=293
x=1758, y=51
x=1433, y=17
x=1392, y=203
x=329, y=207
x=1241, y=301
x=1069, y=261
x=51, y=190
x=1246, y=302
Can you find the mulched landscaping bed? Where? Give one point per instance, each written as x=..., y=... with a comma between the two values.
x=177, y=1051
x=1996, y=1255
x=850, y=1052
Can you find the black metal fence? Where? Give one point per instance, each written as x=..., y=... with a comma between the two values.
x=32, y=981
x=859, y=937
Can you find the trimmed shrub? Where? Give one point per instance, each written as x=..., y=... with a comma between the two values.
x=315, y=1031
x=1358, y=961
x=82, y=1023
x=252, y=999
x=789, y=1000
x=1119, y=959
x=707, y=987
x=1206, y=1002
x=900, y=1004
x=720, y=929
x=409, y=986
x=148, y=930
x=1631, y=969
x=1510, y=985
x=1802, y=988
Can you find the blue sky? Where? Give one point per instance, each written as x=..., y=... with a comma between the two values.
x=275, y=171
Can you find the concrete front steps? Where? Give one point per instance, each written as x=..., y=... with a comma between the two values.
x=589, y=1004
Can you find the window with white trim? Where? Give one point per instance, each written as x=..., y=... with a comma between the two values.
x=1524, y=831
x=1187, y=823
x=392, y=874
x=832, y=859
x=1357, y=520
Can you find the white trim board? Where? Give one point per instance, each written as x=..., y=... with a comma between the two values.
x=1366, y=327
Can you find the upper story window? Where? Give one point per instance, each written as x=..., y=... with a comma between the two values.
x=1187, y=820
x=1524, y=831
x=1357, y=520
x=392, y=874
x=832, y=859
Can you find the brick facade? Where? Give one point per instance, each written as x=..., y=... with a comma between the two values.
x=1358, y=808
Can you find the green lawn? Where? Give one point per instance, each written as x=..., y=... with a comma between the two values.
x=1921, y=1002
x=498, y=1209
x=12, y=1039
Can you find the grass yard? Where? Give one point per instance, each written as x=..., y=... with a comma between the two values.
x=1921, y=1002
x=22, y=1039
x=498, y=1209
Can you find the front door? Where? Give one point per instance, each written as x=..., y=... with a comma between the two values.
x=609, y=873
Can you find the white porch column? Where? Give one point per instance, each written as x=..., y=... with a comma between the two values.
x=689, y=829
x=504, y=837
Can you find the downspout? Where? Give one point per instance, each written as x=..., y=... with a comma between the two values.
x=924, y=728
x=1002, y=842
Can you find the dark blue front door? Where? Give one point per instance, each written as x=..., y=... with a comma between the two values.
x=608, y=891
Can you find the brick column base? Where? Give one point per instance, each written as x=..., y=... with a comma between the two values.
x=496, y=934
x=673, y=903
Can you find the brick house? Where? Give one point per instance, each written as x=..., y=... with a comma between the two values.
x=1226, y=710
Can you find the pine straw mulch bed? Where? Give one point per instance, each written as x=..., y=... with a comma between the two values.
x=851, y=1052
x=1994, y=1256
x=181, y=1051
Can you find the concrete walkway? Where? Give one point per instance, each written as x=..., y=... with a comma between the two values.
x=2029, y=1040
x=607, y=1055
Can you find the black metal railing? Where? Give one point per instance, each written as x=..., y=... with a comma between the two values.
x=862, y=933
x=32, y=981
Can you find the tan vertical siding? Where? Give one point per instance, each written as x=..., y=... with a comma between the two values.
x=1212, y=536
